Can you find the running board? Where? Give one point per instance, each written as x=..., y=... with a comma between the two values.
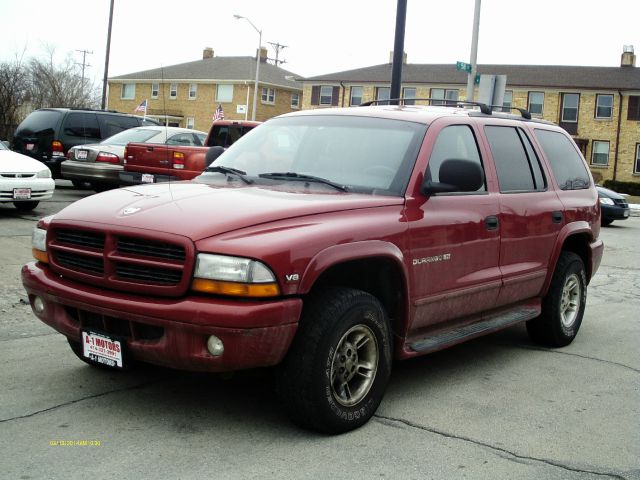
x=451, y=337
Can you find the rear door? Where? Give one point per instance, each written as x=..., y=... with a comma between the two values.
x=531, y=215
x=112, y=124
x=79, y=128
x=454, y=237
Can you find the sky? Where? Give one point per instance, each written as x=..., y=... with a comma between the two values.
x=321, y=37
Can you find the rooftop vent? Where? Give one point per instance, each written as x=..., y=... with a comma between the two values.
x=628, y=58
x=207, y=53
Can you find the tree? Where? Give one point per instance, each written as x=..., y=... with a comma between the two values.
x=13, y=93
x=52, y=85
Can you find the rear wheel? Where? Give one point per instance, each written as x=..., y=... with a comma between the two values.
x=26, y=206
x=337, y=369
x=563, y=307
x=605, y=222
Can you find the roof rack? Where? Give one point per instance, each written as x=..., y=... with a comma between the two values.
x=523, y=111
x=484, y=108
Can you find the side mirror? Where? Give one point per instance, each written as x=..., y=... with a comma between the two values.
x=211, y=155
x=456, y=175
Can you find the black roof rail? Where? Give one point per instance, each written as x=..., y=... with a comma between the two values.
x=523, y=111
x=484, y=108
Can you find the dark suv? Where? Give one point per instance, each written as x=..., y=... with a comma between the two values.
x=47, y=134
x=328, y=243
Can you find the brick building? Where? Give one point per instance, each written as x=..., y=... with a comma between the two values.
x=188, y=94
x=598, y=106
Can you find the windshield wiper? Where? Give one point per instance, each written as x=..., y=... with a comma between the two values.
x=230, y=171
x=302, y=177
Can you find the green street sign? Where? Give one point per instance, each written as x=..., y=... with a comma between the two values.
x=465, y=67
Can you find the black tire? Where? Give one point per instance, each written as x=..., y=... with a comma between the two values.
x=80, y=185
x=343, y=335
x=563, y=306
x=102, y=187
x=605, y=222
x=26, y=206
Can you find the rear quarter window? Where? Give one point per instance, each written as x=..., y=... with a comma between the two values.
x=566, y=164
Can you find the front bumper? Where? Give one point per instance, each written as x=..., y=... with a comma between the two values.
x=615, y=212
x=97, y=172
x=41, y=188
x=254, y=333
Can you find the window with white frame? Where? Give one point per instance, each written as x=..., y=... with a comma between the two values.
x=604, y=106
x=193, y=91
x=636, y=167
x=268, y=95
x=444, y=96
x=155, y=90
x=536, y=103
x=173, y=90
x=295, y=100
x=600, y=153
x=128, y=91
x=409, y=95
x=224, y=93
x=570, y=102
x=507, y=101
x=356, y=96
x=382, y=94
x=326, y=95
x=190, y=122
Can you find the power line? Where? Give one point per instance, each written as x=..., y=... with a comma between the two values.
x=278, y=47
x=84, y=63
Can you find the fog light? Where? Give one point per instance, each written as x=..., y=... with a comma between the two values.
x=215, y=346
x=38, y=305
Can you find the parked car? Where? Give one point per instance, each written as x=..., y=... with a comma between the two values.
x=47, y=134
x=328, y=243
x=100, y=164
x=613, y=206
x=23, y=180
x=179, y=162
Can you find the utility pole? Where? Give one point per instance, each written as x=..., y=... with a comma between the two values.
x=84, y=64
x=471, y=79
x=106, y=59
x=398, y=51
x=277, y=47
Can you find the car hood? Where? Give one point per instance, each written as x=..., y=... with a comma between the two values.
x=13, y=162
x=200, y=211
x=605, y=192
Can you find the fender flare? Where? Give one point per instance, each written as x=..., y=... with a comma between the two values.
x=574, y=228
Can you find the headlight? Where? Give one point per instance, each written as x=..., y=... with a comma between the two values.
x=606, y=201
x=225, y=275
x=46, y=173
x=39, y=245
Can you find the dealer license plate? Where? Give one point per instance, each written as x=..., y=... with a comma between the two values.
x=147, y=178
x=102, y=349
x=81, y=154
x=21, y=193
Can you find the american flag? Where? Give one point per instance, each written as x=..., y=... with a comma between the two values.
x=219, y=114
x=141, y=108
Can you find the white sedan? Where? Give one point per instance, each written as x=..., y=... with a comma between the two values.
x=23, y=180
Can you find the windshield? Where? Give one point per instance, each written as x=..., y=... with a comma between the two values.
x=363, y=154
x=132, y=135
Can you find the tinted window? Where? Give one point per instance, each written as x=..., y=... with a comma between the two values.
x=454, y=142
x=78, y=124
x=534, y=162
x=112, y=124
x=39, y=122
x=517, y=168
x=226, y=135
x=566, y=164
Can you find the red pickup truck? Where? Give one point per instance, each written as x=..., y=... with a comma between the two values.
x=328, y=243
x=144, y=163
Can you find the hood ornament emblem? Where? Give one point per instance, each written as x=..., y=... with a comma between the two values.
x=130, y=210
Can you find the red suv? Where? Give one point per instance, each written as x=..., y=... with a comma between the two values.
x=328, y=243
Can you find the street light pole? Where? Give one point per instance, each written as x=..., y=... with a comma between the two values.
x=255, y=86
x=471, y=78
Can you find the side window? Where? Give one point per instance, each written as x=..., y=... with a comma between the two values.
x=453, y=142
x=112, y=124
x=566, y=163
x=78, y=124
x=518, y=168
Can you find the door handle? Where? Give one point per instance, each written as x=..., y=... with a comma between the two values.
x=491, y=222
x=557, y=217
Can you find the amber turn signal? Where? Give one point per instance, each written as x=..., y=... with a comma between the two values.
x=216, y=287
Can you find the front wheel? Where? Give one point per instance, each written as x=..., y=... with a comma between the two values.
x=337, y=369
x=563, y=306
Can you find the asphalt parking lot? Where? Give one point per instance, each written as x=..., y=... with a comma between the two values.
x=496, y=407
